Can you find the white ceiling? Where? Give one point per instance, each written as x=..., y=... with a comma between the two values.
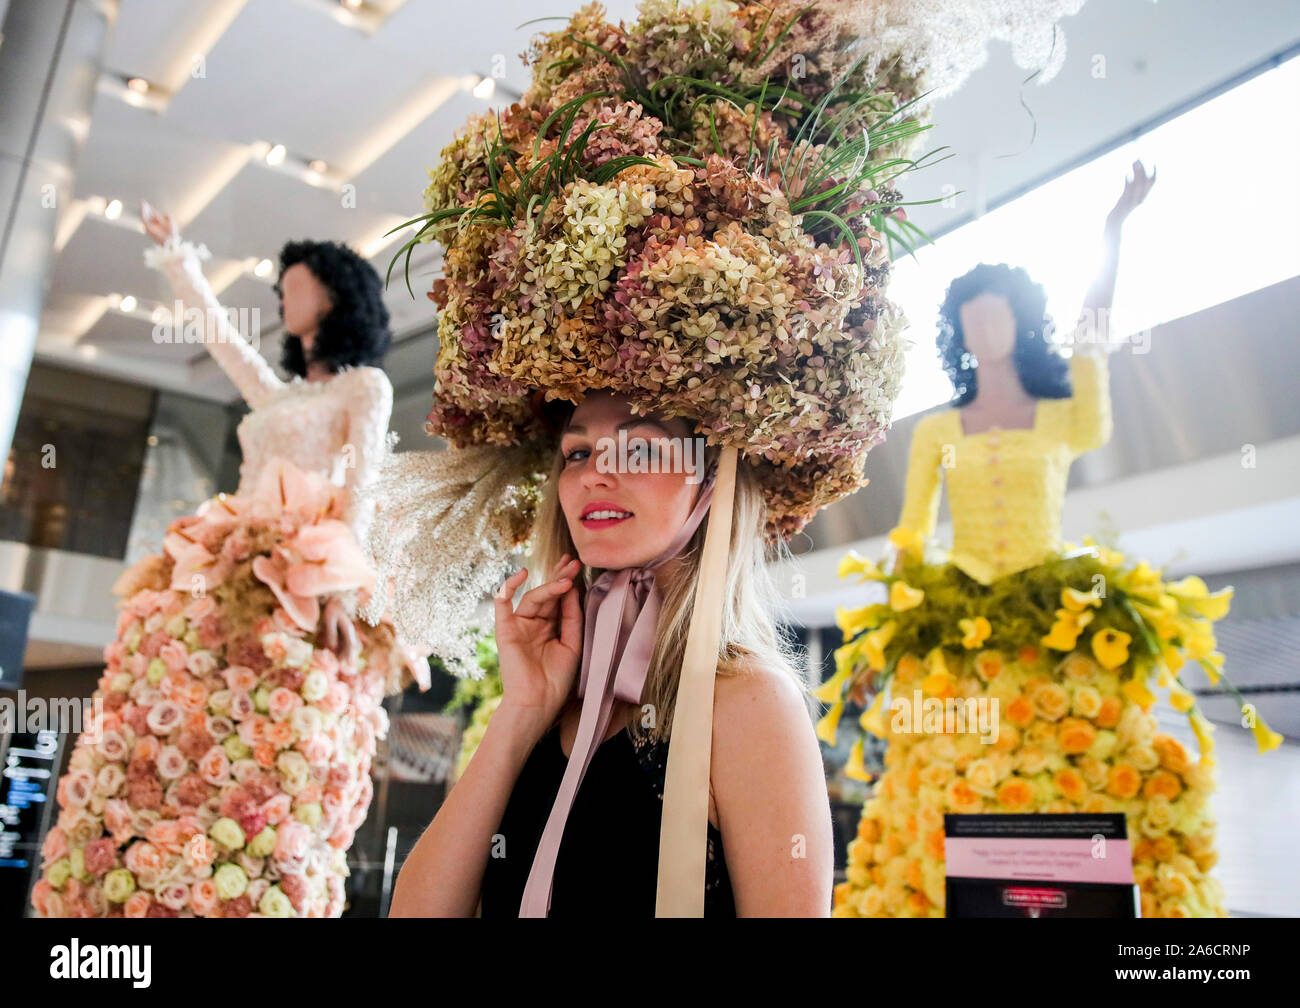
x=377, y=102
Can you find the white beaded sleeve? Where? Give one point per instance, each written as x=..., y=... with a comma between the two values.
x=181, y=261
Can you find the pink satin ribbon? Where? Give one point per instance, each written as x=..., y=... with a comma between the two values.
x=622, y=613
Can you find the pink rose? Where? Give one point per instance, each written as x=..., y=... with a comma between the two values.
x=214, y=767
x=55, y=846
x=219, y=727
x=100, y=855
x=163, y=717
x=165, y=835
x=172, y=763
x=137, y=664
x=175, y=655
x=292, y=841
x=137, y=905
x=282, y=702
x=201, y=663
x=317, y=748
x=335, y=700
x=174, y=895
x=76, y=788
x=112, y=746
x=199, y=608
x=203, y=897
x=240, y=678
x=241, y=706
x=277, y=809
x=110, y=779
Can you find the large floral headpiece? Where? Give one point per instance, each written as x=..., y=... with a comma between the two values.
x=696, y=211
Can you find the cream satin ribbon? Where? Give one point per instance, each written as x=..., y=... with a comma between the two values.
x=619, y=624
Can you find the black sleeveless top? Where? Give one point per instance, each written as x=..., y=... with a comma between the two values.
x=608, y=861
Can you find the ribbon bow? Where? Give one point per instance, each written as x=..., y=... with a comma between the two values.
x=622, y=614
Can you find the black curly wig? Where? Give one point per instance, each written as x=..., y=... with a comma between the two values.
x=355, y=333
x=1043, y=372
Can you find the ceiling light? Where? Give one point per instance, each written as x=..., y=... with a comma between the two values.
x=275, y=155
x=263, y=268
x=139, y=85
x=318, y=166
x=352, y=4
x=159, y=315
x=311, y=177
x=127, y=304
x=484, y=88
x=113, y=210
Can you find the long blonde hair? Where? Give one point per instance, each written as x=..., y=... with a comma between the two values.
x=749, y=636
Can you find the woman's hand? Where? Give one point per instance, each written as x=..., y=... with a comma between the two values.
x=1135, y=191
x=539, y=644
x=158, y=226
x=340, y=636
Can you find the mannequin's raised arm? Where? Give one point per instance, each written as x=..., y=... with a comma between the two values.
x=182, y=261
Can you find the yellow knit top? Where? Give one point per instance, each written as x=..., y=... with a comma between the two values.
x=1006, y=488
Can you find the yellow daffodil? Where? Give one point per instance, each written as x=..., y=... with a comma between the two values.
x=1197, y=597
x=851, y=563
x=833, y=688
x=846, y=658
x=828, y=726
x=855, y=768
x=974, y=632
x=939, y=682
x=874, y=644
x=1179, y=699
x=872, y=719
x=1141, y=576
x=1213, y=665
x=1110, y=647
x=902, y=596
x=1203, y=731
x=907, y=541
x=1136, y=691
x=1078, y=601
x=1173, y=658
x=1199, y=642
x=854, y=621
x=1065, y=631
x=1266, y=739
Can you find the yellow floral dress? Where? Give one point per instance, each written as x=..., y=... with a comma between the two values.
x=1057, y=646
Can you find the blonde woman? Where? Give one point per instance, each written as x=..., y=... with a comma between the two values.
x=770, y=847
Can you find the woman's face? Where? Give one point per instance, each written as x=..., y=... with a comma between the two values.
x=655, y=504
x=304, y=302
x=989, y=327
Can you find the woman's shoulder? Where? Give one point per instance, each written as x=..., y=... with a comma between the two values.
x=757, y=696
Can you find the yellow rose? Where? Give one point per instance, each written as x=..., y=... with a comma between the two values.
x=1031, y=760
x=1158, y=818
x=982, y=777
x=937, y=774
x=1095, y=772
x=1143, y=758
x=1086, y=702
x=1079, y=667
x=989, y=665
x=1051, y=701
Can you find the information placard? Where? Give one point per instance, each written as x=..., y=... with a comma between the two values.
x=1075, y=865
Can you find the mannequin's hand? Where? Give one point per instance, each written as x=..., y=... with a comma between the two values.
x=1135, y=191
x=158, y=226
x=539, y=644
x=340, y=636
